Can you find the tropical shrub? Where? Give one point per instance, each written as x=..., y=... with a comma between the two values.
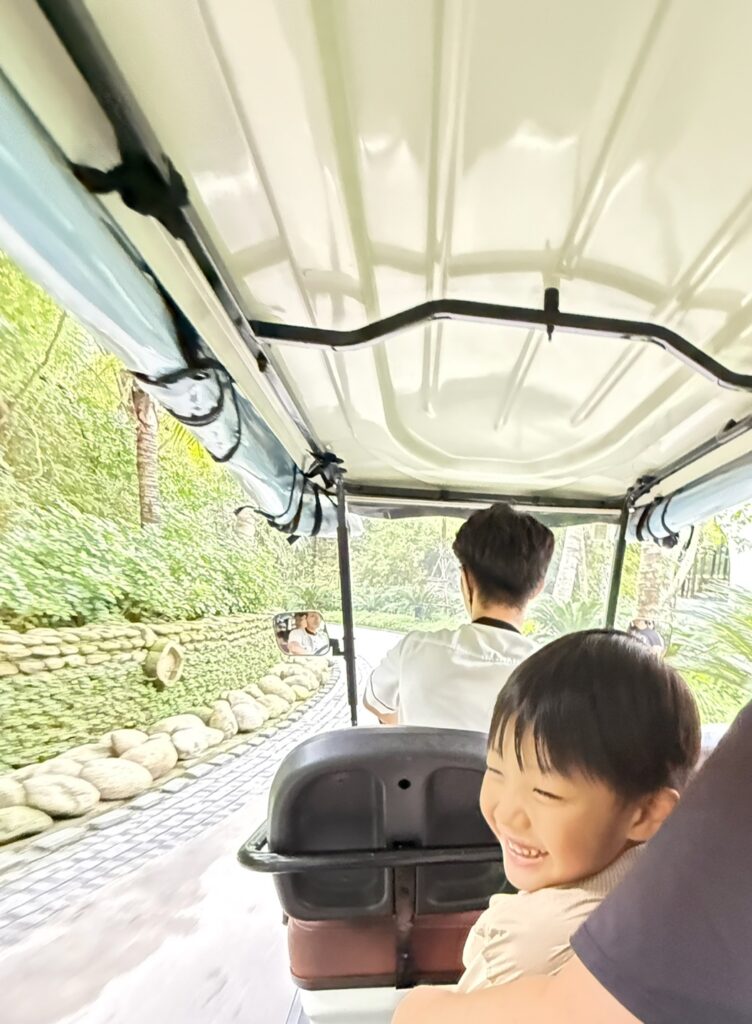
x=712, y=647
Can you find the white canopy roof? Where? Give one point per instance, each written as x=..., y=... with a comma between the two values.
x=351, y=159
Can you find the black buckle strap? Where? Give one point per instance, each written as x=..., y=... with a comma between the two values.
x=143, y=188
x=202, y=369
x=323, y=464
x=321, y=468
x=643, y=524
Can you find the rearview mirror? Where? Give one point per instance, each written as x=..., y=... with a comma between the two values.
x=301, y=634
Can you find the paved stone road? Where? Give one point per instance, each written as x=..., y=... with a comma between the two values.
x=124, y=840
x=146, y=915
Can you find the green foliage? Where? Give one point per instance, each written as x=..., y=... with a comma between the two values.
x=718, y=701
x=393, y=622
x=407, y=599
x=712, y=647
x=72, y=550
x=60, y=567
x=395, y=571
x=734, y=525
x=63, y=567
x=65, y=429
x=313, y=597
x=553, y=618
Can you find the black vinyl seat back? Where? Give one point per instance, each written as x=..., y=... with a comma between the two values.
x=380, y=789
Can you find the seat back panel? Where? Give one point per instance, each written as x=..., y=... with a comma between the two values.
x=377, y=789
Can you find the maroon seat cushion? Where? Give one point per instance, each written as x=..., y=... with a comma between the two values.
x=360, y=953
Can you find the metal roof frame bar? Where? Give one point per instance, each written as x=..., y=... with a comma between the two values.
x=362, y=492
x=730, y=432
x=617, y=568
x=548, y=318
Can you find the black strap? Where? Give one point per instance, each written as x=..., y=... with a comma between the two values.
x=643, y=524
x=205, y=419
x=323, y=461
x=143, y=188
x=318, y=513
x=322, y=464
x=202, y=369
x=672, y=538
x=405, y=888
x=644, y=516
x=486, y=620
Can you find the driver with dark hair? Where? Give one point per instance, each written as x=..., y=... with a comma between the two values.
x=450, y=678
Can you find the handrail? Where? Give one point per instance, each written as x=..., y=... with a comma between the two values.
x=251, y=856
x=550, y=318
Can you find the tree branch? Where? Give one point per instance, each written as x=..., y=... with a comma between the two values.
x=25, y=387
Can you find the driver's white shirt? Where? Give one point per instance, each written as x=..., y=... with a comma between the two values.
x=308, y=641
x=449, y=679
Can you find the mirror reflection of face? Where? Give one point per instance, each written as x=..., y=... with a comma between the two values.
x=313, y=623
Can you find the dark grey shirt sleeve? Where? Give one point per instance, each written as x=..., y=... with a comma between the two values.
x=673, y=943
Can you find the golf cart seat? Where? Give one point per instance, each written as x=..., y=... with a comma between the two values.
x=381, y=857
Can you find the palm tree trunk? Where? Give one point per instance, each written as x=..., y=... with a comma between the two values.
x=568, y=565
x=652, y=582
x=147, y=456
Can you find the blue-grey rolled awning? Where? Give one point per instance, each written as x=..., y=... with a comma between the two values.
x=665, y=517
x=64, y=240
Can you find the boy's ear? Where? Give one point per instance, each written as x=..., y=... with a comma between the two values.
x=651, y=813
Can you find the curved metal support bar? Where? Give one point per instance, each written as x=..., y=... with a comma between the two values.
x=730, y=432
x=256, y=859
x=511, y=316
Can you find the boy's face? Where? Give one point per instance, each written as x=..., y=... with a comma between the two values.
x=553, y=829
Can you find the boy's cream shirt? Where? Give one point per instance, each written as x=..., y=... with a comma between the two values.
x=529, y=933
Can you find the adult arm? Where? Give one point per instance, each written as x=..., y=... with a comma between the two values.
x=383, y=717
x=381, y=696
x=571, y=997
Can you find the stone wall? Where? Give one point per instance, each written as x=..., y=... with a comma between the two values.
x=60, y=688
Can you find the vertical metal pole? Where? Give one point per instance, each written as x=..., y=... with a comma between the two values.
x=617, y=568
x=345, y=588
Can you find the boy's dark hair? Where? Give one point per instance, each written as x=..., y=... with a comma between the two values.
x=600, y=702
x=506, y=552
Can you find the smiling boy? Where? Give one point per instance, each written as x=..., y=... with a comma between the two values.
x=591, y=742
